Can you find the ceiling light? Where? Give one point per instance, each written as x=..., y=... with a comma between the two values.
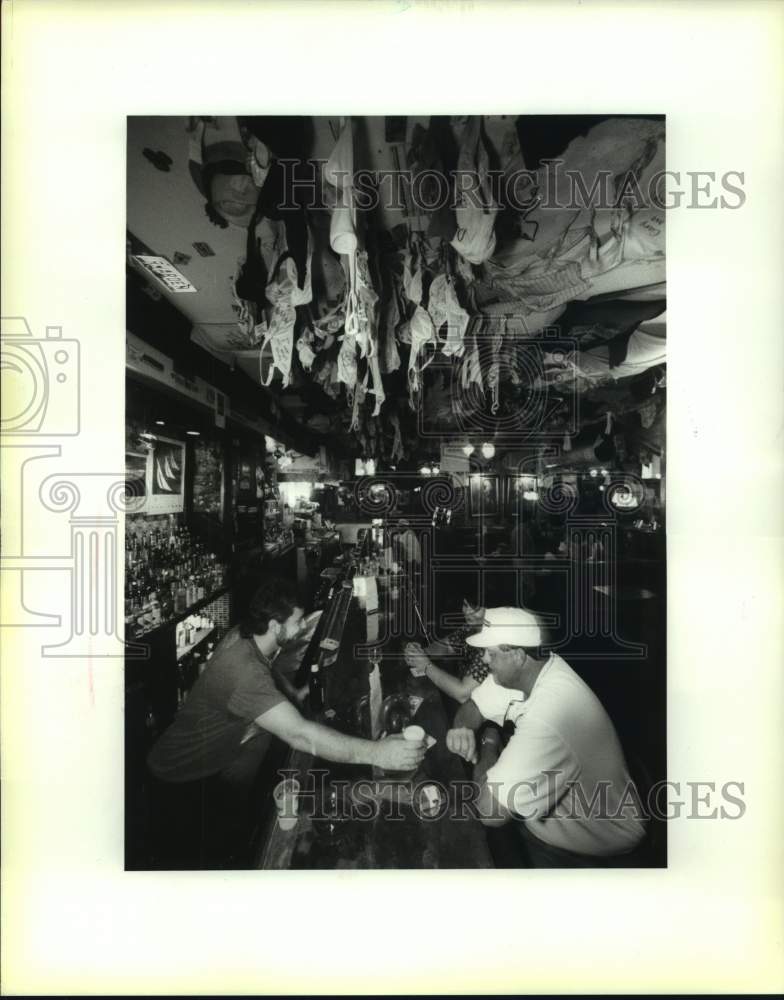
x=160, y=423
x=193, y=433
x=488, y=449
x=468, y=450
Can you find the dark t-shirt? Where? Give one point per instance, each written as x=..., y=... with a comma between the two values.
x=217, y=719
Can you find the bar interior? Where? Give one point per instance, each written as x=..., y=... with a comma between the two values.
x=395, y=564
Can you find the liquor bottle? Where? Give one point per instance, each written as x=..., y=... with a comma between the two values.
x=180, y=600
x=316, y=689
x=374, y=695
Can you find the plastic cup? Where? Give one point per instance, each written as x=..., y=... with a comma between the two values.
x=429, y=800
x=285, y=795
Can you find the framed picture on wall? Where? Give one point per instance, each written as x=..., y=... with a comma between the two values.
x=165, y=492
x=483, y=492
x=519, y=489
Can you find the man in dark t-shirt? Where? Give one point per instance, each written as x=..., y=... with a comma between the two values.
x=204, y=765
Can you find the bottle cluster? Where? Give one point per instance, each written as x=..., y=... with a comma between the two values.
x=167, y=571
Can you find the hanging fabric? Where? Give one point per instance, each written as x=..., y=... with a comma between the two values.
x=302, y=295
x=398, y=450
x=282, y=292
x=305, y=349
x=422, y=332
x=497, y=332
x=365, y=303
x=342, y=233
x=245, y=318
x=412, y=278
x=280, y=338
x=444, y=308
x=339, y=172
x=471, y=369
x=476, y=210
x=358, y=399
x=367, y=324
x=390, y=319
x=347, y=360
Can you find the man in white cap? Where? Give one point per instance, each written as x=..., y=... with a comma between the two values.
x=563, y=772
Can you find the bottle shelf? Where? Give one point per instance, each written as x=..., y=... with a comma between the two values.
x=200, y=636
x=182, y=615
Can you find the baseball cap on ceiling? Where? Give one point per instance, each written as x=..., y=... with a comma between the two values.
x=508, y=627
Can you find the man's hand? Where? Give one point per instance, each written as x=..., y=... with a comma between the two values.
x=393, y=753
x=302, y=693
x=462, y=742
x=416, y=658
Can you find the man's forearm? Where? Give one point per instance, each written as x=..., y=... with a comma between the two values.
x=323, y=742
x=446, y=682
x=286, y=686
x=490, y=812
x=468, y=716
x=488, y=755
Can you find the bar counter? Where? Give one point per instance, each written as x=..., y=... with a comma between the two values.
x=352, y=816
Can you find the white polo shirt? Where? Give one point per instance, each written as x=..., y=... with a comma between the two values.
x=563, y=771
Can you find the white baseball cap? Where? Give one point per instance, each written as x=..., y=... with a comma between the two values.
x=508, y=627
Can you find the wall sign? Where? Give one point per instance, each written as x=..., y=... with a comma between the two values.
x=164, y=272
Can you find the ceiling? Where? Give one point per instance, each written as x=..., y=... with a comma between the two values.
x=166, y=214
x=165, y=210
